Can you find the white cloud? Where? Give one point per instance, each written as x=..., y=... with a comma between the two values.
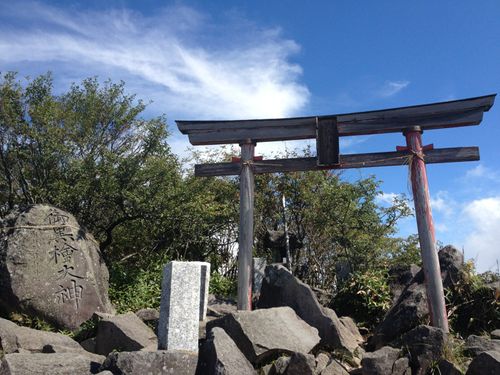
x=391, y=88
x=179, y=53
x=480, y=171
x=483, y=241
x=441, y=202
x=386, y=198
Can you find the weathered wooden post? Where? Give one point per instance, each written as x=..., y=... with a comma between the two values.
x=245, y=237
x=425, y=225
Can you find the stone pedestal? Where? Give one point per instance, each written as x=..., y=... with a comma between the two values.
x=180, y=307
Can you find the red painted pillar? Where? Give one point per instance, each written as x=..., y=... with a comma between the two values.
x=425, y=224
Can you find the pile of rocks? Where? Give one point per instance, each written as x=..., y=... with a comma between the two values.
x=50, y=267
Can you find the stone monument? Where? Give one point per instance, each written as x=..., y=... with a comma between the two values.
x=51, y=267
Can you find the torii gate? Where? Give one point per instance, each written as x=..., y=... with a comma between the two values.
x=411, y=121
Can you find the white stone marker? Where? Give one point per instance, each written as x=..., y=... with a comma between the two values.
x=204, y=282
x=180, y=307
x=259, y=268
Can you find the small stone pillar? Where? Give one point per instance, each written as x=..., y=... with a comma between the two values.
x=259, y=268
x=180, y=306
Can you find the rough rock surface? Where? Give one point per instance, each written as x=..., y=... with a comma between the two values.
x=322, y=360
x=379, y=362
x=126, y=332
x=486, y=363
x=425, y=345
x=48, y=364
x=445, y=367
x=400, y=277
x=151, y=363
x=264, y=334
x=220, y=355
x=495, y=334
x=16, y=339
x=350, y=324
x=51, y=267
x=475, y=345
x=334, y=368
x=301, y=364
x=280, y=365
x=411, y=309
x=281, y=288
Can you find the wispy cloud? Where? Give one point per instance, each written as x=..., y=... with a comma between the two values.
x=482, y=172
x=391, y=88
x=483, y=217
x=194, y=66
x=442, y=202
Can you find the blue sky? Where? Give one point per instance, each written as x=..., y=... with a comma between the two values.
x=258, y=59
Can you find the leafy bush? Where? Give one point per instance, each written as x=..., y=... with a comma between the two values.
x=134, y=288
x=222, y=286
x=365, y=296
x=473, y=306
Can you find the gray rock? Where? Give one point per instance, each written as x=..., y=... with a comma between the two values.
x=322, y=360
x=445, y=367
x=89, y=345
x=266, y=370
x=301, y=364
x=411, y=310
x=281, y=288
x=280, y=365
x=53, y=364
x=263, y=334
x=220, y=355
x=152, y=363
x=350, y=324
x=379, y=362
x=495, y=334
x=400, y=276
x=334, y=368
x=218, y=307
x=425, y=345
x=124, y=332
x=105, y=372
x=15, y=339
x=148, y=315
x=451, y=261
x=475, y=345
x=486, y=363
x=402, y=367
x=51, y=267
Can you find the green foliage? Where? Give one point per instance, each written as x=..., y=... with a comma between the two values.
x=473, y=306
x=336, y=221
x=133, y=288
x=365, y=297
x=222, y=286
x=25, y=320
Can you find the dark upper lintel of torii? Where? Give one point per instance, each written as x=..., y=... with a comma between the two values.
x=449, y=114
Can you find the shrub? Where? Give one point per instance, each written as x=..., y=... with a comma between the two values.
x=365, y=296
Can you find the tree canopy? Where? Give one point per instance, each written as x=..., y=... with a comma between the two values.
x=90, y=151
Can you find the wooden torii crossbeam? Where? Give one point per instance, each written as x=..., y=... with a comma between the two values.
x=411, y=121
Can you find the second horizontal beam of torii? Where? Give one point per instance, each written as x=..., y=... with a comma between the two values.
x=411, y=121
